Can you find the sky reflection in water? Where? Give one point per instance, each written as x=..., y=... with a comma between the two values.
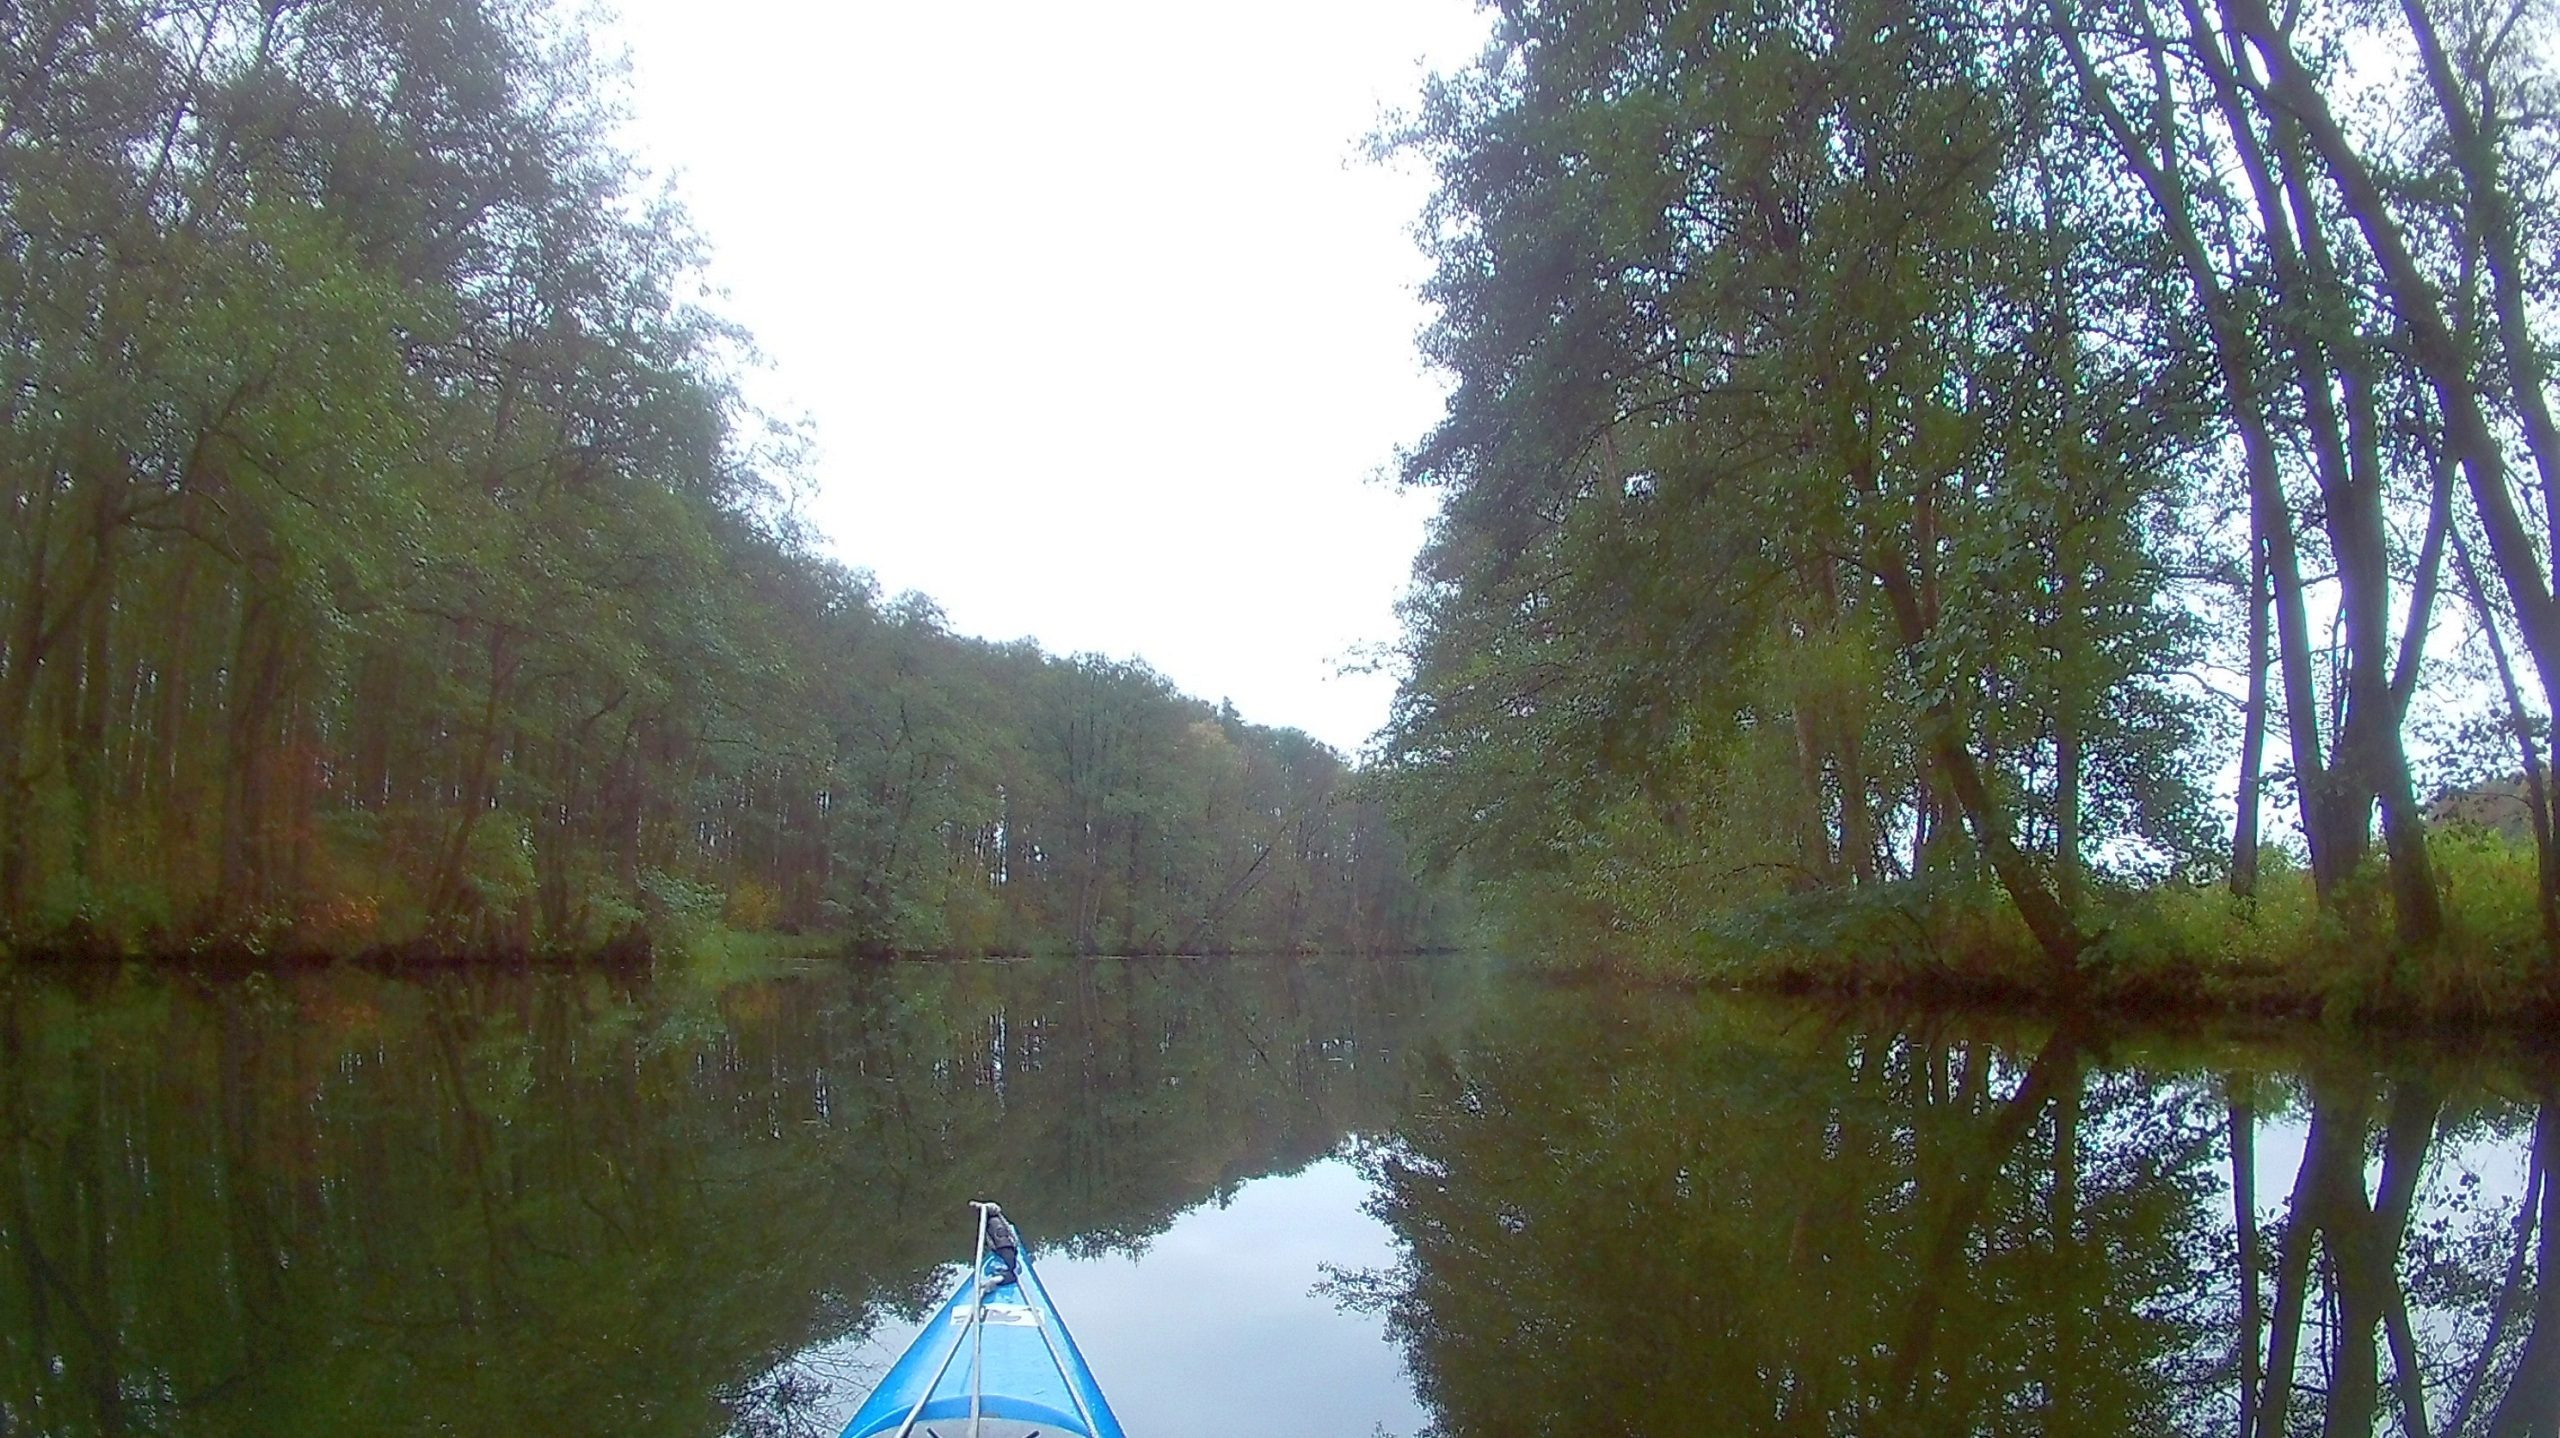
x=1218, y=1324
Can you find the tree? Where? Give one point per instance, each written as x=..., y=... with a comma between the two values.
x=1797, y=395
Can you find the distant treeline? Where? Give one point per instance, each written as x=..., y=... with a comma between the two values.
x=388, y=557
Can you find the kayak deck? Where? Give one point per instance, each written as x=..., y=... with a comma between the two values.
x=999, y=1344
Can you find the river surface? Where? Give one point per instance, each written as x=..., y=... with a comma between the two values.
x=1319, y=1197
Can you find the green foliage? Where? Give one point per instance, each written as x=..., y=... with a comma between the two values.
x=1793, y=475
x=2190, y=945
x=2495, y=958
x=1946, y=934
x=392, y=557
x=1877, y=429
x=2176, y=947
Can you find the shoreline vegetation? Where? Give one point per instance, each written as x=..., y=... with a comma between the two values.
x=389, y=562
x=720, y=953
x=2017, y=499
x=2174, y=953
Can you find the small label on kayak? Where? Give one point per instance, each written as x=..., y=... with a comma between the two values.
x=1020, y=1315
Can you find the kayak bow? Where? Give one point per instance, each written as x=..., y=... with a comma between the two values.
x=995, y=1362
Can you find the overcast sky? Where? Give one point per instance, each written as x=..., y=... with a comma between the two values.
x=1103, y=323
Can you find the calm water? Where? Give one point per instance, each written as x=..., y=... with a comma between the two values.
x=1325, y=1197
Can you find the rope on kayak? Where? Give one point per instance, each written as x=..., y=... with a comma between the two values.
x=977, y=1318
x=1075, y=1390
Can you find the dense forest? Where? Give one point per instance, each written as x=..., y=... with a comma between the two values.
x=1930, y=458
x=390, y=557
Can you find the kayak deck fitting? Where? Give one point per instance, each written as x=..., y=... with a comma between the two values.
x=995, y=1362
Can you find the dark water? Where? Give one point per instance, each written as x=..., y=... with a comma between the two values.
x=1325, y=1197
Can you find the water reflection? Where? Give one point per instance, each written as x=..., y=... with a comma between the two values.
x=343, y=1203
x=1646, y=1219
x=1220, y=1325
x=340, y=1203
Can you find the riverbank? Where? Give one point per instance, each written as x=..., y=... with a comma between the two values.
x=2173, y=952
x=714, y=947
x=636, y=949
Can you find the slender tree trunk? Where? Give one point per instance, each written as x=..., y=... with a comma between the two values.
x=2154, y=155
x=446, y=902
x=1857, y=821
x=2253, y=739
x=2439, y=356
x=165, y=782
x=2492, y=221
x=20, y=663
x=2371, y=762
x=85, y=759
x=257, y=674
x=2066, y=812
x=1942, y=734
x=1813, y=838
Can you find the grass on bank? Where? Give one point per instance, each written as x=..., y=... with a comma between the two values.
x=2179, y=947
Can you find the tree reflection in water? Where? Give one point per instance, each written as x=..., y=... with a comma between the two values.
x=1646, y=1219
x=341, y=1203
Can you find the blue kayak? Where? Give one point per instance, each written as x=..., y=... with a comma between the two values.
x=995, y=1362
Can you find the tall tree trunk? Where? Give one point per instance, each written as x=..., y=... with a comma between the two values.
x=2432, y=344
x=1942, y=734
x=447, y=906
x=2154, y=154
x=1813, y=836
x=2371, y=762
x=2490, y=215
x=21, y=660
x=250, y=758
x=85, y=757
x=1857, y=821
x=2066, y=812
x=2253, y=739
x=165, y=783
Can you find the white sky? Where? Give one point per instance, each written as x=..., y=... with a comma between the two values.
x=1103, y=324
